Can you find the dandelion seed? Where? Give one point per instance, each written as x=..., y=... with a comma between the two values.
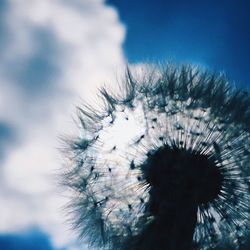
x=166, y=165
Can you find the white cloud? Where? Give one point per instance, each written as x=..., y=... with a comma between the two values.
x=87, y=36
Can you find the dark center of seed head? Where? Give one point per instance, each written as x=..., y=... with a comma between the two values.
x=180, y=178
x=179, y=181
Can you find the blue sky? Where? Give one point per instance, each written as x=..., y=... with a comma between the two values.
x=31, y=240
x=54, y=54
x=211, y=33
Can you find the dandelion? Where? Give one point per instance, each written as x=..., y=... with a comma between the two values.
x=163, y=164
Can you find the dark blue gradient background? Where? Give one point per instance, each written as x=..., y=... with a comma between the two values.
x=214, y=34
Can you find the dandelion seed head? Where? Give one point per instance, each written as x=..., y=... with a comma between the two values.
x=172, y=144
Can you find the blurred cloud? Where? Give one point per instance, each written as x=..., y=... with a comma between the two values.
x=6, y=135
x=52, y=54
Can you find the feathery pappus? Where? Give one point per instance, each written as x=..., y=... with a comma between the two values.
x=163, y=164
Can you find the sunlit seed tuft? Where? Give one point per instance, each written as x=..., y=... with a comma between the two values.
x=164, y=164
